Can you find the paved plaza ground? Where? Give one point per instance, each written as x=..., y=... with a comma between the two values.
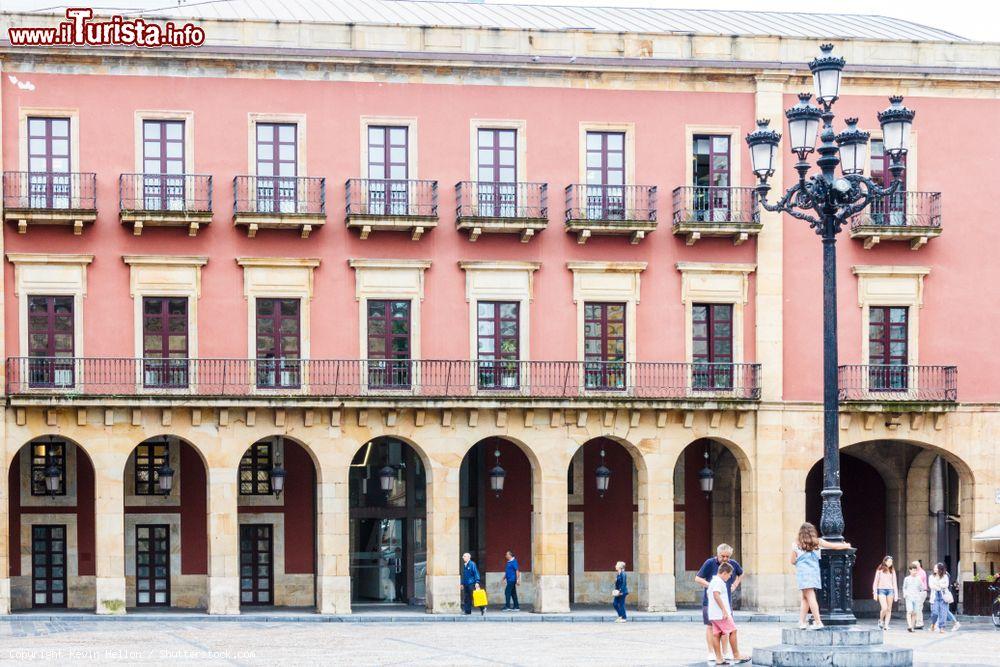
x=27, y=639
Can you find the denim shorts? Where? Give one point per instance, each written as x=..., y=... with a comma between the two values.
x=884, y=591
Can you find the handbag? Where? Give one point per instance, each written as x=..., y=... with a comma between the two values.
x=479, y=598
x=948, y=597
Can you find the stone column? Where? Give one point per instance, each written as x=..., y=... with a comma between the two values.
x=655, y=567
x=223, y=541
x=109, y=518
x=549, y=521
x=333, y=573
x=443, y=543
x=766, y=543
x=4, y=518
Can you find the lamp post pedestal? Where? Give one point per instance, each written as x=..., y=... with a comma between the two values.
x=858, y=647
x=835, y=571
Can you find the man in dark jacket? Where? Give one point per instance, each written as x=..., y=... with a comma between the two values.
x=470, y=581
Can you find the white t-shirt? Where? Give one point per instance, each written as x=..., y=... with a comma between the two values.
x=714, y=610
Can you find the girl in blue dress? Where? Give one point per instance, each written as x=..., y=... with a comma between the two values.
x=805, y=558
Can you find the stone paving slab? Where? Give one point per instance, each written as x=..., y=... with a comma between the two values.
x=31, y=639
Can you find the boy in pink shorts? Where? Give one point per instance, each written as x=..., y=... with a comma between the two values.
x=721, y=615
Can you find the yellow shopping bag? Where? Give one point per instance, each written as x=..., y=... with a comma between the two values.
x=479, y=598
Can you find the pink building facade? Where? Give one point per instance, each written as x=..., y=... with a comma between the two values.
x=277, y=308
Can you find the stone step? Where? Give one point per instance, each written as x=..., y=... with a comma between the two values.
x=832, y=636
x=785, y=655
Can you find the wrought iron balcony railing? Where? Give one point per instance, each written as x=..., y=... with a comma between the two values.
x=279, y=195
x=392, y=198
x=502, y=201
x=885, y=383
x=719, y=205
x=611, y=204
x=48, y=191
x=165, y=194
x=903, y=209
x=73, y=377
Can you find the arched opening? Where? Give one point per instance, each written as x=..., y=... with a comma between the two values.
x=277, y=525
x=388, y=524
x=53, y=550
x=603, y=517
x=865, y=515
x=496, y=514
x=166, y=525
x=707, y=513
x=901, y=498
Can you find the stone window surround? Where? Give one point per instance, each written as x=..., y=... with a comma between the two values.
x=297, y=119
x=476, y=124
x=627, y=128
x=400, y=279
x=609, y=282
x=72, y=543
x=734, y=132
x=156, y=114
x=715, y=282
x=165, y=276
x=278, y=278
x=881, y=285
x=269, y=500
x=171, y=500
x=73, y=114
x=410, y=123
x=69, y=499
x=41, y=274
x=500, y=281
x=277, y=520
x=173, y=519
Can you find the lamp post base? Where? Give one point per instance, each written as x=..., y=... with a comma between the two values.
x=840, y=647
x=835, y=599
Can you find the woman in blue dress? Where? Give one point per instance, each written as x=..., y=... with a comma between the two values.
x=805, y=558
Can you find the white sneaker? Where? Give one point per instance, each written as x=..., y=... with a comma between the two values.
x=710, y=658
x=729, y=658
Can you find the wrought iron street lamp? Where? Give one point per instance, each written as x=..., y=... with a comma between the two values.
x=387, y=479
x=497, y=475
x=602, y=476
x=53, y=476
x=706, y=477
x=277, y=479
x=827, y=201
x=165, y=478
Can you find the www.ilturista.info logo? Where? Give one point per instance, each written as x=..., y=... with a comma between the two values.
x=80, y=30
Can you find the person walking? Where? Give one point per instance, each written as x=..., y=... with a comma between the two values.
x=805, y=558
x=922, y=573
x=512, y=575
x=940, y=591
x=913, y=596
x=723, y=554
x=620, y=592
x=720, y=615
x=885, y=591
x=470, y=582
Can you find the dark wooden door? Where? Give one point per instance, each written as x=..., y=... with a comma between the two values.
x=257, y=564
x=49, y=180
x=389, y=340
x=152, y=565
x=712, y=345
x=604, y=345
x=887, y=348
x=605, y=175
x=48, y=566
x=497, y=173
x=388, y=170
x=277, y=167
x=165, y=342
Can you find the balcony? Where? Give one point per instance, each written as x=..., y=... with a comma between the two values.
x=727, y=212
x=907, y=216
x=610, y=210
x=165, y=200
x=706, y=386
x=898, y=388
x=34, y=198
x=279, y=202
x=392, y=205
x=502, y=208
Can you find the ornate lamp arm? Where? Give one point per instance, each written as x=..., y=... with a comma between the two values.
x=796, y=200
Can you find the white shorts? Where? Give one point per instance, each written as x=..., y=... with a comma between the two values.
x=913, y=606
